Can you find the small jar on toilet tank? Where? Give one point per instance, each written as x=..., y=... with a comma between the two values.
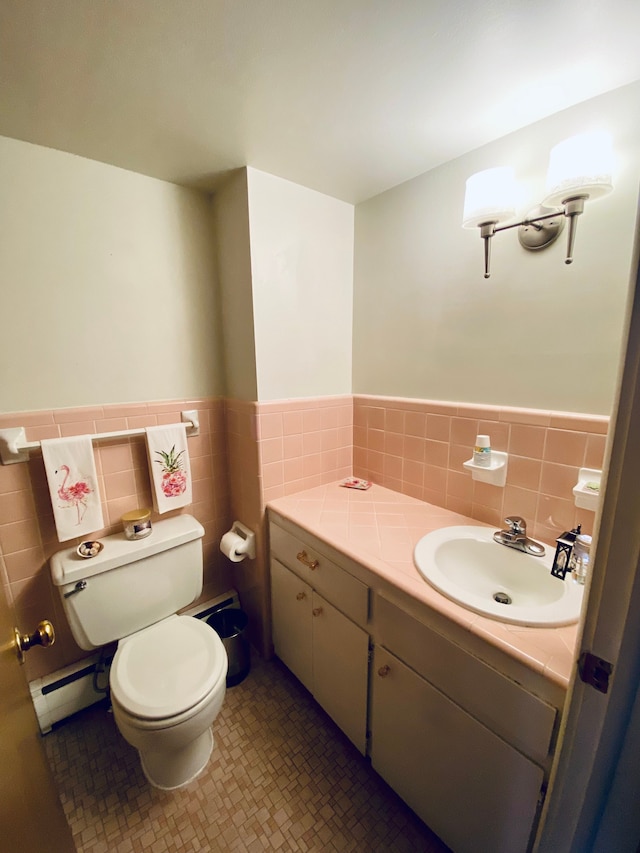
x=137, y=523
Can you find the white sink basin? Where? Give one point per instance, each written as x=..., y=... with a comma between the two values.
x=466, y=565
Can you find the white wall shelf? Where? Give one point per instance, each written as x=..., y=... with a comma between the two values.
x=495, y=473
x=586, y=492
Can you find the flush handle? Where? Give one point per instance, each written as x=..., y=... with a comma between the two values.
x=77, y=588
x=44, y=636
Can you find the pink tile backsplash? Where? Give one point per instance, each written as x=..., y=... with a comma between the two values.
x=546, y=450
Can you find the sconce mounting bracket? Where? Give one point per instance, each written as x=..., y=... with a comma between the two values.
x=538, y=235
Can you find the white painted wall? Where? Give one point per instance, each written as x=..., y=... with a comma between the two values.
x=231, y=217
x=107, y=284
x=302, y=271
x=538, y=333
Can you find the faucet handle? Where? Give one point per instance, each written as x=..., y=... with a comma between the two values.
x=517, y=525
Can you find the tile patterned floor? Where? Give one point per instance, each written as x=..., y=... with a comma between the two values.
x=282, y=777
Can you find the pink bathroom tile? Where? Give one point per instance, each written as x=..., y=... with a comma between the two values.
x=555, y=514
x=292, y=423
x=375, y=462
x=270, y=426
x=460, y=505
x=497, y=432
x=471, y=410
x=271, y=450
x=345, y=415
x=38, y=433
x=524, y=472
x=581, y=423
x=438, y=427
x=558, y=480
x=393, y=443
x=130, y=410
x=115, y=457
x=458, y=454
x=394, y=420
x=16, y=506
x=415, y=423
x=142, y=421
x=531, y=417
x=435, y=479
x=345, y=459
x=413, y=472
x=345, y=436
x=594, y=453
x=527, y=440
x=436, y=453
x=459, y=485
x=311, y=420
x=413, y=448
x=111, y=424
x=523, y=502
x=200, y=467
x=487, y=514
x=311, y=442
x=487, y=495
x=464, y=431
x=565, y=447
x=77, y=428
x=375, y=417
x=329, y=418
x=376, y=440
x=19, y=536
x=14, y=478
x=65, y=416
x=26, y=419
x=392, y=467
x=24, y=564
x=292, y=446
x=312, y=464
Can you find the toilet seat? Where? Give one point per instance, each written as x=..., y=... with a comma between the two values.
x=167, y=668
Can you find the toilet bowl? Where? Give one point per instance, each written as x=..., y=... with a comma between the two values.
x=168, y=676
x=167, y=687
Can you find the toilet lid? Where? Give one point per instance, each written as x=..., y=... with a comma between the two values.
x=167, y=668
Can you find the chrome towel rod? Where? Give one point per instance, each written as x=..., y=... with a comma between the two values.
x=15, y=448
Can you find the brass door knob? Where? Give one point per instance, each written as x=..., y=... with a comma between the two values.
x=44, y=636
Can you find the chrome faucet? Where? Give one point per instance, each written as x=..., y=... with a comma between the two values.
x=516, y=537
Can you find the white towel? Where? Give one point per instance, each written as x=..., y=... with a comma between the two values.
x=169, y=466
x=73, y=485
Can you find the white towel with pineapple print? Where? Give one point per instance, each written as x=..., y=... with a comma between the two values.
x=71, y=474
x=169, y=466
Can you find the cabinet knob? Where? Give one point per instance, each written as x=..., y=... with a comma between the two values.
x=317, y=611
x=304, y=558
x=384, y=671
x=301, y=596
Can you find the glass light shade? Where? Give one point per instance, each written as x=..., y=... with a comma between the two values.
x=490, y=197
x=580, y=166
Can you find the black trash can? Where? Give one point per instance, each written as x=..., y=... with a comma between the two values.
x=230, y=624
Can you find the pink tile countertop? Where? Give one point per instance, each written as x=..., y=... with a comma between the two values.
x=379, y=529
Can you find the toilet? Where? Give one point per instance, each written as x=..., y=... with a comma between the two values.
x=168, y=676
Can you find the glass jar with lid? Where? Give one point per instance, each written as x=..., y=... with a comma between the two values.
x=137, y=523
x=580, y=558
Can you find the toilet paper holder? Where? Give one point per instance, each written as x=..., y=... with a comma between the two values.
x=247, y=547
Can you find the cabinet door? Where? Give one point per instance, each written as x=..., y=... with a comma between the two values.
x=472, y=788
x=291, y=603
x=340, y=669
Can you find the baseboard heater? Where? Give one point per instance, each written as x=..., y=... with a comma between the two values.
x=69, y=690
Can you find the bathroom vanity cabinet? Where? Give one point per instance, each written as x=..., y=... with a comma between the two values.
x=323, y=645
x=465, y=742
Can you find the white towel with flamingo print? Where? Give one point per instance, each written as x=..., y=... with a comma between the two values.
x=73, y=485
x=169, y=465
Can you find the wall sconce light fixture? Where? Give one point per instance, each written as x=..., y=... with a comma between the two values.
x=580, y=168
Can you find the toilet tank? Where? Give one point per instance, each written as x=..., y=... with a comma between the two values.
x=130, y=584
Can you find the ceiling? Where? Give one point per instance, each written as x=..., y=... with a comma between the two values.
x=349, y=97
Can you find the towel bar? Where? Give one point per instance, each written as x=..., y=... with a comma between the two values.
x=15, y=448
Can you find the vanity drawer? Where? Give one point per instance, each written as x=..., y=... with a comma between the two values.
x=503, y=706
x=334, y=583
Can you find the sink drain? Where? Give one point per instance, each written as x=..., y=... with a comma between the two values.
x=502, y=598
